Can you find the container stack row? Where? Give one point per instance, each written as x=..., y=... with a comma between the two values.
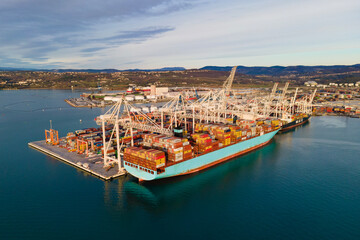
x=92, y=140
x=210, y=137
x=147, y=158
x=177, y=149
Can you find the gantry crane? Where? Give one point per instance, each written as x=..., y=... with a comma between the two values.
x=121, y=115
x=52, y=136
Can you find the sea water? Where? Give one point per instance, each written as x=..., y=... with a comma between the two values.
x=305, y=184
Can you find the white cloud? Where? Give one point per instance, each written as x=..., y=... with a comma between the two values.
x=279, y=29
x=202, y=33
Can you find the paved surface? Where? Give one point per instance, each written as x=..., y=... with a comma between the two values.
x=73, y=158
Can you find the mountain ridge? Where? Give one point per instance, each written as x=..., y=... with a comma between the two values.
x=286, y=70
x=248, y=70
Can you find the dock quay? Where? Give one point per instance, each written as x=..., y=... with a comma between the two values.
x=84, y=102
x=91, y=164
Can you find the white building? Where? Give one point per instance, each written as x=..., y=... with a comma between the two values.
x=151, y=97
x=162, y=90
x=139, y=97
x=310, y=83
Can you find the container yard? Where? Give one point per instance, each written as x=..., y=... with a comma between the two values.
x=349, y=109
x=133, y=94
x=81, y=149
x=181, y=137
x=90, y=165
x=337, y=102
x=85, y=102
x=141, y=95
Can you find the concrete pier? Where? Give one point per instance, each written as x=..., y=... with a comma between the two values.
x=89, y=164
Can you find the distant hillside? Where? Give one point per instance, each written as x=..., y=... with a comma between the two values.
x=155, y=70
x=282, y=71
x=116, y=70
x=115, y=79
x=9, y=69
x=274, y=71
x=93, y=70
x=84, y=70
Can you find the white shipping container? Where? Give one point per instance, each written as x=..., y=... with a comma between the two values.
x=110, y=148
x=145, y=109
x=178, y=158
x=180, y=149
x=175, y=140
x=135, y=109
x=153, y=108
x=179, y=155
x=160, y=165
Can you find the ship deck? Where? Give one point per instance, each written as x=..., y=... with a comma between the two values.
x=292, y=126
x=72, y=158
x=203, y=161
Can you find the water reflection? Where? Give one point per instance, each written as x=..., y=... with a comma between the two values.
x=333, y=122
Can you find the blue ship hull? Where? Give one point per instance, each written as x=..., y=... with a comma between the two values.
x=204, y=161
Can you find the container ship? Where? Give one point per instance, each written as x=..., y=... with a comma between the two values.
x=159, y=156
x=293, y=110
x=155, y=143
x=296, y=120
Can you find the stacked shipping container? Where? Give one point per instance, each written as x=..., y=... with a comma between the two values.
x=148, y=158
x=177, y=149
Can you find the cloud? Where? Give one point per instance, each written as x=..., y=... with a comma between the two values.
x=134, y=35
x=169, y=6
x=123, y=37
x=91, y=50
x=156, y=33
x=35, y=29
x=19, y=63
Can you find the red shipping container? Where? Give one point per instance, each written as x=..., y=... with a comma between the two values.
x=178, y=145
x=187, y=147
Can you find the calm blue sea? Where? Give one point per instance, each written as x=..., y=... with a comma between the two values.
x=304, y=185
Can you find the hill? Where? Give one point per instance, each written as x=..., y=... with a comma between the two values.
x=283, y=71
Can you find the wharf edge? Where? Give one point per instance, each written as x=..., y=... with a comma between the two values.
x=36, y=146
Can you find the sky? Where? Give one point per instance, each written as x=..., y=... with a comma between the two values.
x=149, y=34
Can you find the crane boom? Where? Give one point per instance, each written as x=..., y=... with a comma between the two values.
x=228, y=82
